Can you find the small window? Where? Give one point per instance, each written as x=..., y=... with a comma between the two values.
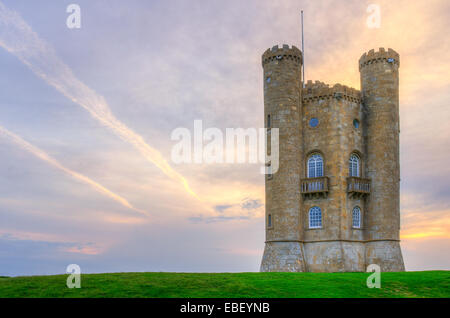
x=313, y=122
x=269, y=171
x=353, y=166
x=356, y=217
x=315, y=166
x=356, y=123
x=315, y=217
x=268, y=121
x=269, y=220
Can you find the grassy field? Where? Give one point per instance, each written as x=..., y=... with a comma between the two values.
x=226, y=285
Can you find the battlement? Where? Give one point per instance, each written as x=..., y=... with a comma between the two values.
x=285, y=52
x=319, y=90
x=370, y=57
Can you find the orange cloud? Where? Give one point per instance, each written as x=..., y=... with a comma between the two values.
x=426, y=224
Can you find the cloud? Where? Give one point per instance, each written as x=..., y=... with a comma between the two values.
x=86, y=250
x=17, y=37
x=120, y=219
x=246, y=209
x=250, y=204
x=62, y=243
x=423, y=223
x=222, y=208
x=45, y=157
x=214, y=219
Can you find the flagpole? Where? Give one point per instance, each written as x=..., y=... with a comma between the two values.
x=303, y=54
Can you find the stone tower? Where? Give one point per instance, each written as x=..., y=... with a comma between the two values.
x=282, y=110
x=379, y=85
x=333, y=204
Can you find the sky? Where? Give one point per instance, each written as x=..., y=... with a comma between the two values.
x=86, y=117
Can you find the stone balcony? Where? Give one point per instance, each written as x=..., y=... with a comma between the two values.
x=358, y=186
x=314, y=187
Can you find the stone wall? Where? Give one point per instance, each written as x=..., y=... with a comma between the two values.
x=335, y=138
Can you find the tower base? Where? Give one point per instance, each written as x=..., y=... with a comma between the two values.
x=386, y=254
x=283, y=257
x=335, y=256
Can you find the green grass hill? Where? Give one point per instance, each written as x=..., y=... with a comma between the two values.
x=229, y=285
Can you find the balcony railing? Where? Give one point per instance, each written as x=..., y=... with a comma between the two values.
x=311, y=186
x=358, y=186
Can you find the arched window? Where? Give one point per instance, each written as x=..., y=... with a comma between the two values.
x=269, y=220
x=315, y=166
x=353, y=166
x=315, y=217
x=356, y=217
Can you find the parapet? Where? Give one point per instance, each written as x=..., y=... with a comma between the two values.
x=319, y=90
x=285, y=52
x=381, y=55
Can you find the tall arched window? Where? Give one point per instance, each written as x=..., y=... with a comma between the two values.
x=315, y=166
x=353, y=166
x=269, y=220
x=315, y=217
x=356, y=217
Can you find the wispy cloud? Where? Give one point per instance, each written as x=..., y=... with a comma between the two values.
x=63, y=244
x=18, y=38
x=83, y=249
x=45, y=157
x=244, y=210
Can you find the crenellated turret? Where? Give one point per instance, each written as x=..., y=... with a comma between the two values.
x=380, y=92
x=282, y=109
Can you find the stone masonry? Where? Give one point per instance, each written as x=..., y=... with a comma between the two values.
x=335, y=123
